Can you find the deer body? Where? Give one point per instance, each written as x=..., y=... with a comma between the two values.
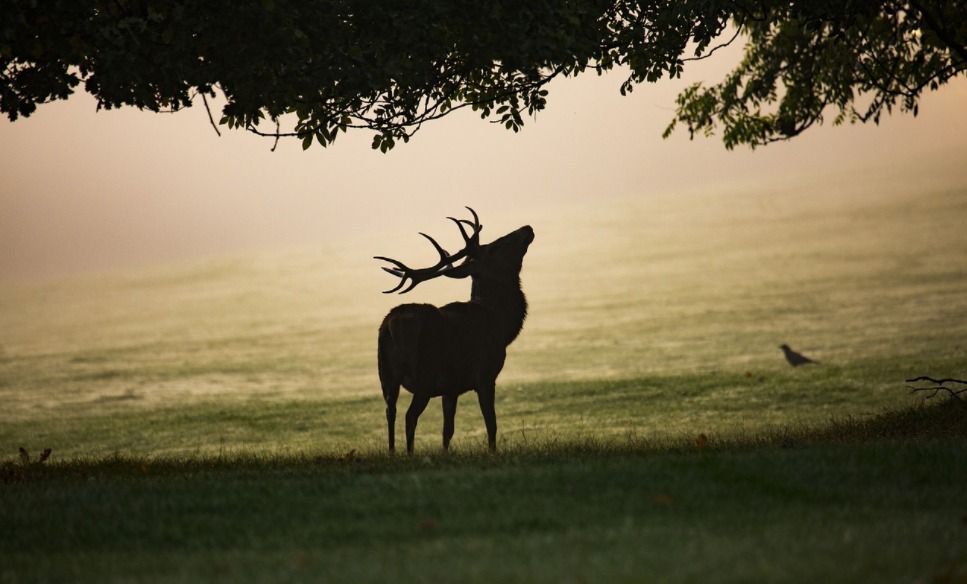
x=459, y=347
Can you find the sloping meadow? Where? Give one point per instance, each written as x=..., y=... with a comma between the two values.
x=655, y=316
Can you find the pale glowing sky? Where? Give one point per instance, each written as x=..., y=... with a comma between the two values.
x=82, y=191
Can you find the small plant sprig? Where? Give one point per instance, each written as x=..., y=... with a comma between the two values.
x=25, y=456
x=11, y=472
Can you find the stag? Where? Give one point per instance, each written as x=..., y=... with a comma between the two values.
x=449, y=350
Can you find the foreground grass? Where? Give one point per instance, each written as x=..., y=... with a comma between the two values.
x=872, y=500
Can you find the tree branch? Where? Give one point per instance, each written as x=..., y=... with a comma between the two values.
x=715, y=48
x=955, y=394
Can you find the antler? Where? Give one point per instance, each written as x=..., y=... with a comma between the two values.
x=403, y=272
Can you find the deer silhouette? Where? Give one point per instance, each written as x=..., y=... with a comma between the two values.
x=449, y=350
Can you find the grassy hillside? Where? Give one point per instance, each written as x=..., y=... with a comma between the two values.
x=659, y=316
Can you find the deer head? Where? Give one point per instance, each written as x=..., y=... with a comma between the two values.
x=501, y=257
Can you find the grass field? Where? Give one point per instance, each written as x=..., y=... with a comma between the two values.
x=221, y=420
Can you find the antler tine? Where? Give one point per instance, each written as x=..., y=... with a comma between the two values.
x=444, y=255
x=476, y=220
x=400, y=269
x=400, y=265
x=400, y=272
x=474, y=225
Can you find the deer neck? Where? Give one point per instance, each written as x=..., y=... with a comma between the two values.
x=506, y=300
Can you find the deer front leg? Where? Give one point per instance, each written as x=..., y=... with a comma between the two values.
x=412, y=415
x=449, y=413
x=485, y=395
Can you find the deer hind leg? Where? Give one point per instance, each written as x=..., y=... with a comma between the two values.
x=389, y=379
x=449, y=413
x=391, y=392
x=412, y=415
x=485, y=395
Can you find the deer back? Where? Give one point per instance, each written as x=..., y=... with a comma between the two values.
x=450, y=349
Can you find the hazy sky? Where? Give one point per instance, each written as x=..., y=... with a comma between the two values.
x=83, y=191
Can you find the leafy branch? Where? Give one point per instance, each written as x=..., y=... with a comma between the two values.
x=802, y=59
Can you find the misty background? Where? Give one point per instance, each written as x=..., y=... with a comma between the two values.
x=84, y=191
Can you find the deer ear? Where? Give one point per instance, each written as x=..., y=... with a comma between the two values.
x=462, y=271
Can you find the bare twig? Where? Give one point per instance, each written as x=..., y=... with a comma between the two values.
x=937, y=381
x=278, y=129
x=939, y=386
x=209, y=110
x=715, y=48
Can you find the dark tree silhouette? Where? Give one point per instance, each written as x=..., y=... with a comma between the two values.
x=448, y=351
x=312, y=69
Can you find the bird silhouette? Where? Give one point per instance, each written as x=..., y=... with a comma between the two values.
x=794, y=358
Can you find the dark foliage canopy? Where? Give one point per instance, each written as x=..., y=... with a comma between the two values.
x=312, y=69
